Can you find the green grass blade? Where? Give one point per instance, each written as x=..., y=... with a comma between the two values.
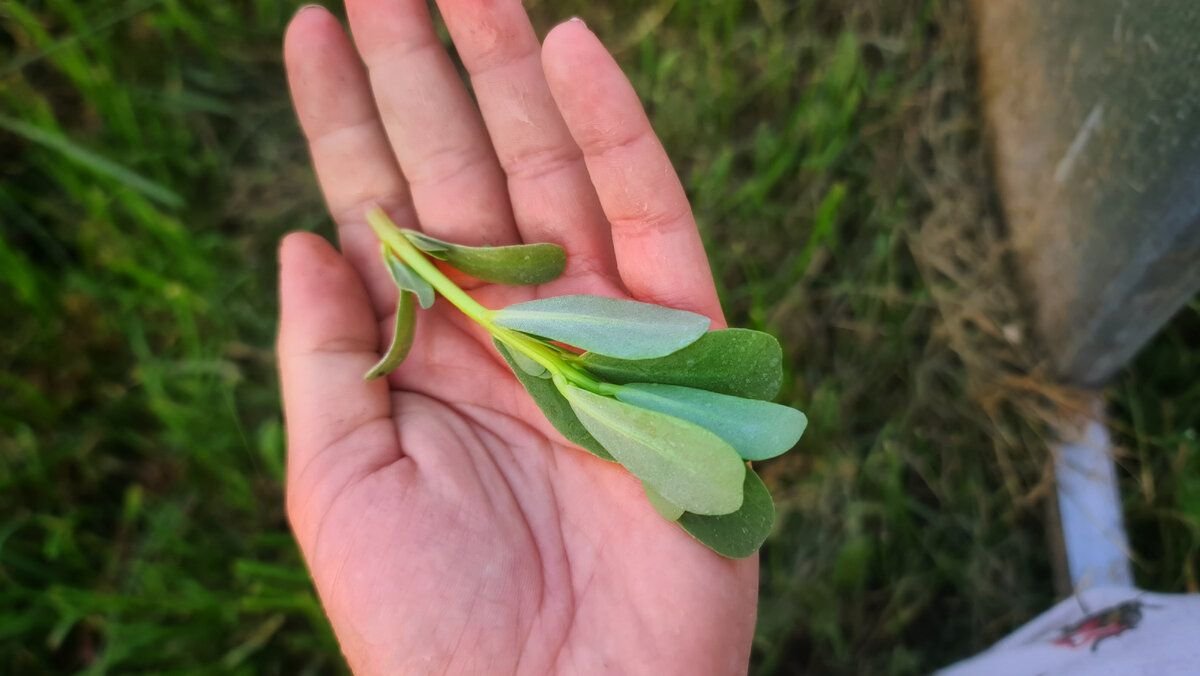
x=97, y=164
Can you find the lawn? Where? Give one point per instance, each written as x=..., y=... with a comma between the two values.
x=149, y=163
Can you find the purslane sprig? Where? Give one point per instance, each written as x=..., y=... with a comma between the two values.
x=681, y=407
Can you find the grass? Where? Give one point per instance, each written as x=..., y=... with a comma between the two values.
x=149, y=162
x=1157, y=422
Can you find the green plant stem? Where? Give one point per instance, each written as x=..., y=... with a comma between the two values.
x=550, y=358
x=390, y=235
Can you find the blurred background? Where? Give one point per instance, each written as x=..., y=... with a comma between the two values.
x=833, y=150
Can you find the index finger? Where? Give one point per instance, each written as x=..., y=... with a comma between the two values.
x=349, y=148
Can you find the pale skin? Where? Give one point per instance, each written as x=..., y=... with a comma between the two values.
x=448, y=527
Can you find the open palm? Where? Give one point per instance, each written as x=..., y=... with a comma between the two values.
x=448, y=526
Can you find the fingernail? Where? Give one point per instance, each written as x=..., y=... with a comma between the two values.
x=307, y=7
x=577, y=20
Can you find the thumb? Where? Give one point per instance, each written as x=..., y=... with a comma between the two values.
x=328, y=338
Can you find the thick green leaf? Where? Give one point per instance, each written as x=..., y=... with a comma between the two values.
x=529, y=366
x=554, y=406
x=430, y=245
x=758, y=430
x=688, y=465
x=661, y=505
x=618, y=328
x=402, y=337
x=518, y=264
x=741, y=533
x=407, y=279
x=738, y=362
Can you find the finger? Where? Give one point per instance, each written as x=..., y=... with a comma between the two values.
x=659, y=253
x=552, y=197
x=457, y=186
x=338, y=425
x=349, y=148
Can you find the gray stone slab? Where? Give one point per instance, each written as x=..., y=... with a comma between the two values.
x=1094, y=111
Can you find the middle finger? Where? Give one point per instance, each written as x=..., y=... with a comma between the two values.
x=458, y=188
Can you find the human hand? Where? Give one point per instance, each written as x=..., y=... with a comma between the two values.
x=447, y=525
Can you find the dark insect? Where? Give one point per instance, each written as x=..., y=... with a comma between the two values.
x=1102, y=624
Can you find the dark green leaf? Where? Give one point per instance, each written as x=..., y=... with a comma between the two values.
x=738, y=362
x=758, y=430
x=688, y=465
x=661, y=505
x=555, y=407
x=407, y=279
x=741, y=533
x=519, y=264
x=402, y=337
x=619, y=328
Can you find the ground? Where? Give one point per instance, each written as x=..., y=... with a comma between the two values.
x=149, y=163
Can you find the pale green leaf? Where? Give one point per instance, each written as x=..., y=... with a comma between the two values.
x=739, y=362
x=402, y=337
x=554, y=407
x=758, y=430
x=618, y=328
x=528, y=365
x=741, y=533
x=407, y=279
x=518, y=264
x=688, y=465
x=661, y=505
